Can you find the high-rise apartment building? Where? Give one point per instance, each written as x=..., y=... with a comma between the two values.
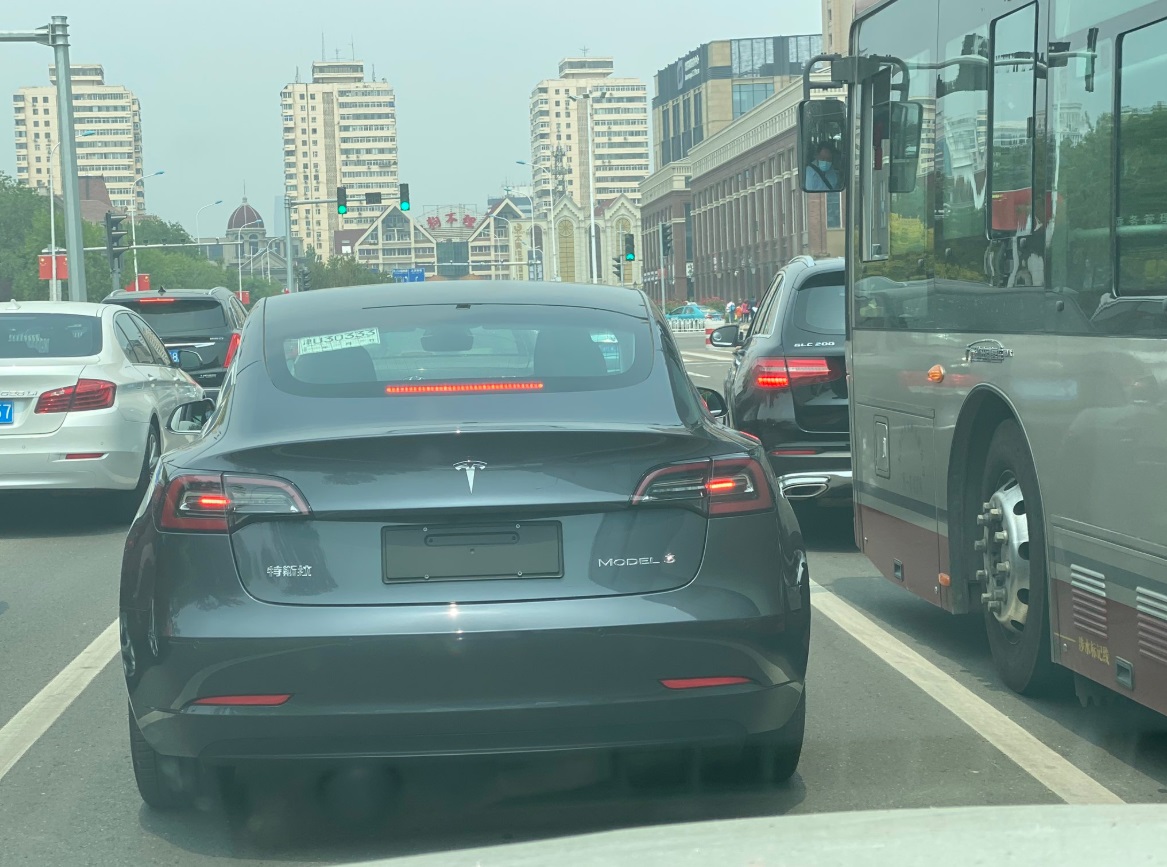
x=713, y=85
x=114, y=150
x=340, y=130
x=560, y=133
x=837, y=18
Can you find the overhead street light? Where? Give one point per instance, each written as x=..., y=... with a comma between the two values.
x=54, y=282
x=199, y=234
x=134, y=219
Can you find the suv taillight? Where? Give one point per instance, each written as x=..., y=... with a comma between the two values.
x=232, y=348
x=722, y=486
x=205, y=503
x=781, y=373
x=87, y=394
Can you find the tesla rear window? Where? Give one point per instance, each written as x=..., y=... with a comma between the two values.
x=464, y=349
x=49, y=335
x=181, y=317
x=821, y=309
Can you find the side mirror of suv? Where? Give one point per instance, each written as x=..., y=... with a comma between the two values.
x=185, y=359
x=726, y=336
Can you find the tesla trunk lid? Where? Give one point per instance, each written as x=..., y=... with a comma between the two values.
x=477, y=517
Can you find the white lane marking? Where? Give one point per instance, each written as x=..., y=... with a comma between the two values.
x=35, y=718
x=697, y=356
x=702, y=375
x=1064, y=779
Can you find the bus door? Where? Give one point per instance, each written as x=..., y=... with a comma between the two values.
x=898, y=477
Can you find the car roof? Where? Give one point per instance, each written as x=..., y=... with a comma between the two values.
x=76, y=308
x=807, y=266
x=308, y=305
x=122, y=294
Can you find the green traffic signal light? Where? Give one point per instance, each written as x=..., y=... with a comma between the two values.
x=404, y=197
x=629, y=248
x=341, y=200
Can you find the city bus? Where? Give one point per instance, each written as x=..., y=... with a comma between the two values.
x=1005, y=173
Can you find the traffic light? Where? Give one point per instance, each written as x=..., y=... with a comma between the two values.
x=618, y=268
x=305, y=279
x=629, y=248
x=667, y=239
x=341, y=200
x=113, y=237
x=405, y=205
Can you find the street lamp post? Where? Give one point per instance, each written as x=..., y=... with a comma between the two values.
x=550, y=221
x=590, y=96
x=134, y=219
x=54, y=282
x=199, y=234
x=239, y=241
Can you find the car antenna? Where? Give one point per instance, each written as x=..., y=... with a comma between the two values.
x=12, y=303
x=161, y=290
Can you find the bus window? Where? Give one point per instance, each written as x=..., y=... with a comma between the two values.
x=1141, y=226
x=1012, y=82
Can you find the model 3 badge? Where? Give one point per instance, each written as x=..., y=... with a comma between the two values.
x=470, y=468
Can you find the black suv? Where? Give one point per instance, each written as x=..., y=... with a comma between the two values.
x=787, y=384
x=206, y=321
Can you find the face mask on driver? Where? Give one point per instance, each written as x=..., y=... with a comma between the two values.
x=824, y=164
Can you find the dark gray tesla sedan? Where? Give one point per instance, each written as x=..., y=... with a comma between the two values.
x=460, y=519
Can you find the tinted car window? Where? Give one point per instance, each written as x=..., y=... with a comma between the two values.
x=49, y=335
x=820, y=307
x=132, y=342
x=439, y=349
x=181, y=317
x=157, y=348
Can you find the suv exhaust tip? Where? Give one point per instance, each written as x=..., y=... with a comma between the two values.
x=804, y=487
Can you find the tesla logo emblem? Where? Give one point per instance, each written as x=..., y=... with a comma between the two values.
x=470, y=468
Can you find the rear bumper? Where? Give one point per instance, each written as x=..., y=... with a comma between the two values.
x=822, y=477
x=470, y=692
x=40, y=462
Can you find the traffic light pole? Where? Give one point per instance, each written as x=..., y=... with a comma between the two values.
x=289, y=270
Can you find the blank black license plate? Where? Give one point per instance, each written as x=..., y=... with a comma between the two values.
x=462, y=553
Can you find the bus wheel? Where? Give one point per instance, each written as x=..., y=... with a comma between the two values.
x=1013, y=574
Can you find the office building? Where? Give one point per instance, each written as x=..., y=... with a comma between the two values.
x=713, y=85
x=560, y=134
x=114, y=151
x=339, y=129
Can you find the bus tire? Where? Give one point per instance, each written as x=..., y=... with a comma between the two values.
x=1013, y=573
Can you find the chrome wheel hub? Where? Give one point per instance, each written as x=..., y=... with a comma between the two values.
x=1004, y=549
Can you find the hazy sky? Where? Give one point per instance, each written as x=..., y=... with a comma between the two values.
x=208, y=74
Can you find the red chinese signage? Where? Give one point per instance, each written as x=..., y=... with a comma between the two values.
x=434, y=222
x=244, y=296
x=142, y=284
x=469, y=221
x=45, y=263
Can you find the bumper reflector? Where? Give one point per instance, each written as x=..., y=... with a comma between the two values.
x=243, y=700
x=702, y=682
x=84, y=456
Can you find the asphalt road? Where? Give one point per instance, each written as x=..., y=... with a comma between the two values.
x=904, y=710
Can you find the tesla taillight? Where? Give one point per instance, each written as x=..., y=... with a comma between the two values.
x=738, y=485
x=232, y=348
x=87, y=394
x=782, y=373
x=723, y=486
x=207, y=503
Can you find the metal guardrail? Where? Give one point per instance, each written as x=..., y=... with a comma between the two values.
x=692, y=326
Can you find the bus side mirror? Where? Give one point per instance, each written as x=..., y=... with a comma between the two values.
x=906, y=124
x=823, y=140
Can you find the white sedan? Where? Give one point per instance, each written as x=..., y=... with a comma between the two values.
x=86, y=391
